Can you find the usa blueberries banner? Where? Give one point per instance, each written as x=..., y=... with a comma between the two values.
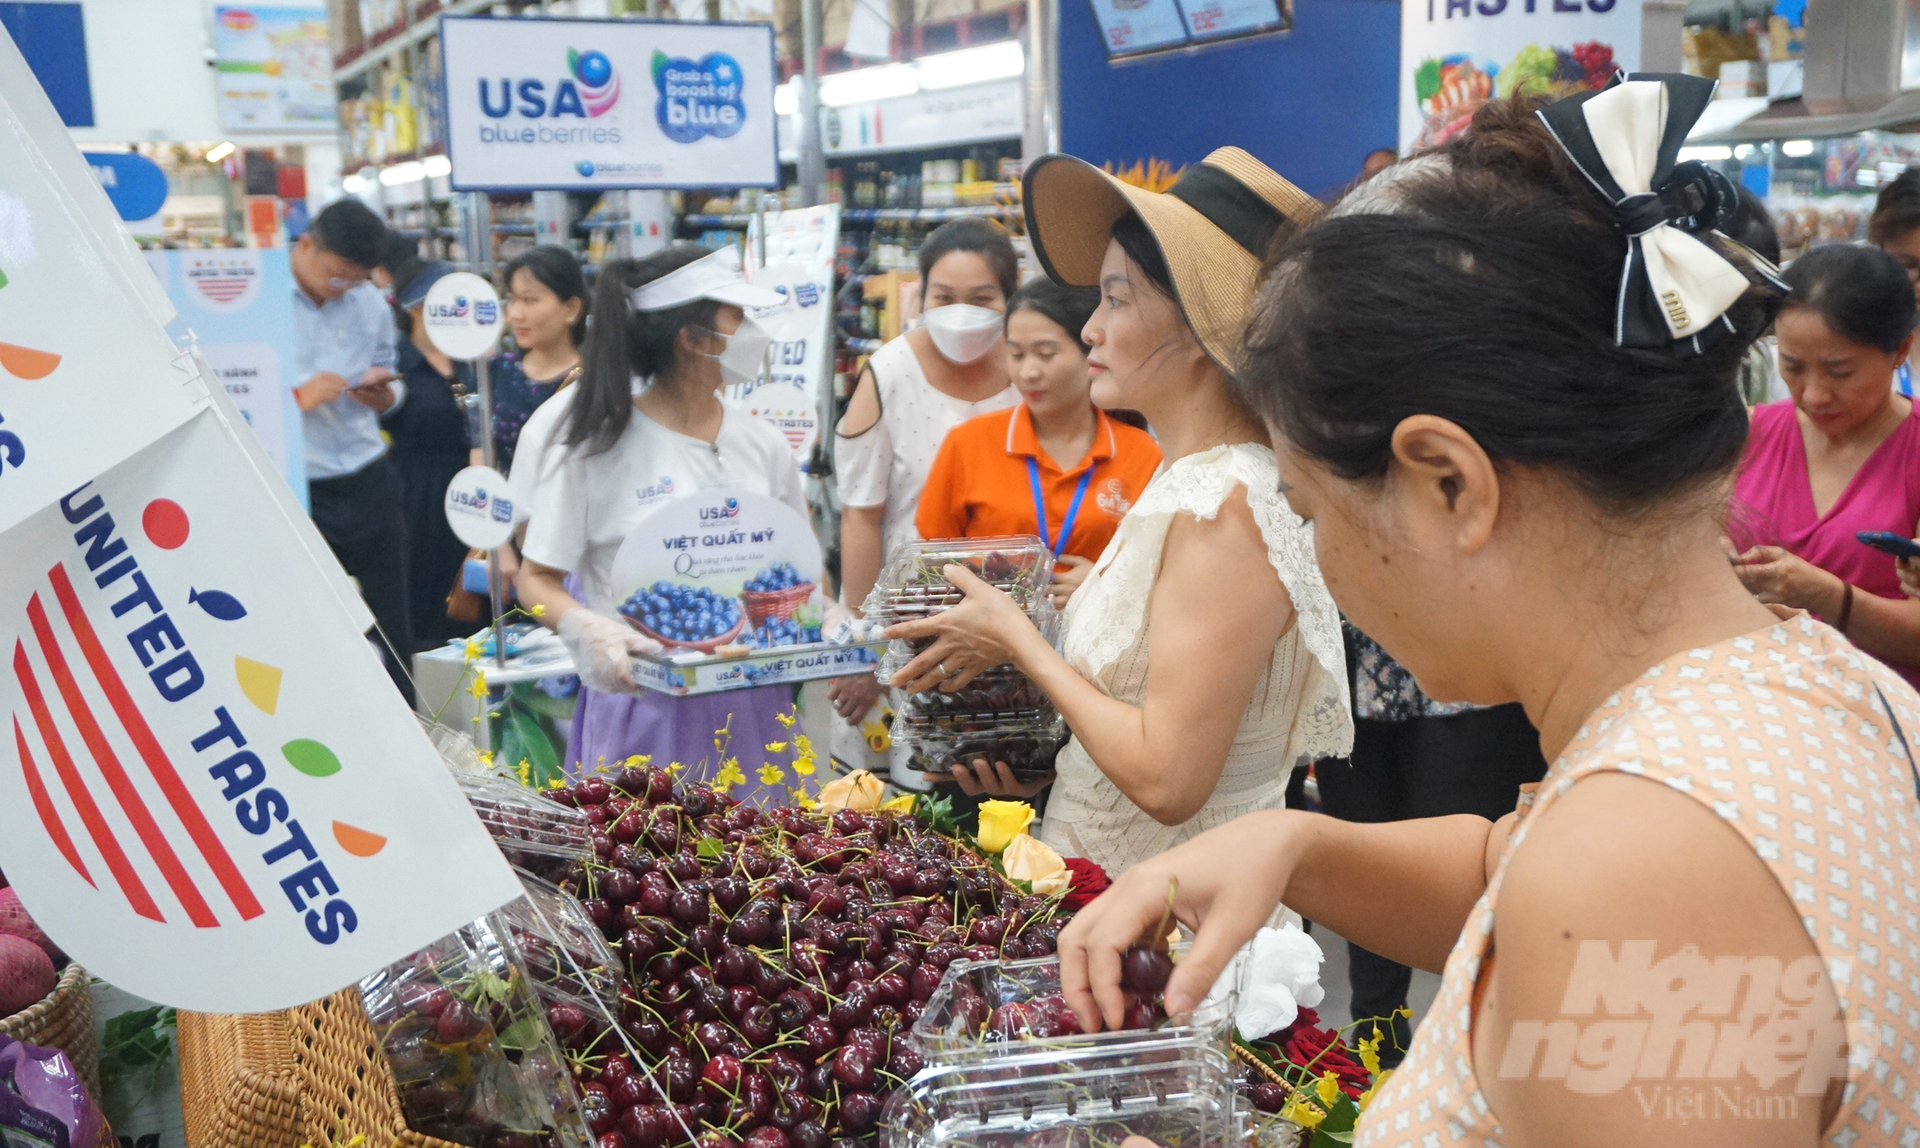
x=210, y=793
x=595, y=104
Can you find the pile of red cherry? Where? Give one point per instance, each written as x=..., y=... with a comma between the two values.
x=777, y=961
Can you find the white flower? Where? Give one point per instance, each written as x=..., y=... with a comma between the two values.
x=1281, y=973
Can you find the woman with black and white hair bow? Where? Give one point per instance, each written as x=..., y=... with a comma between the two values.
x=1500, y=379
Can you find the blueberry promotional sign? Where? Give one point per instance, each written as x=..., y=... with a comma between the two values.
x=792, y=392
x=480, y=507
x=134, y=184
x=210, y=793
x=238, y=306
x=463, y=316
x=1455, y=55
x=562, y=104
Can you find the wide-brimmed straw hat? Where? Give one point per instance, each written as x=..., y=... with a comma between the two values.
x=1214, y=227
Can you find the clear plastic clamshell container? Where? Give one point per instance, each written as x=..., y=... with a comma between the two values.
x=1023, y=1102
x=1026, y=740
x=540, y=836
x=957, y=1027
x=913, y=584
x=472, y=1054
x=564, y=953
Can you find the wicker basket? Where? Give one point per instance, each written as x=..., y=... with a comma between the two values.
x=63, y=1020
x=763, y=604
x=310, y=1075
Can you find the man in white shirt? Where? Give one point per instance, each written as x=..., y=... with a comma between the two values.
x=344, y=346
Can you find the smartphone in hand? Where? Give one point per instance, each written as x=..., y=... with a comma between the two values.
x=1897, y=545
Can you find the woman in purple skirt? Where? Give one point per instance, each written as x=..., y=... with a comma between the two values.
x=648, y=425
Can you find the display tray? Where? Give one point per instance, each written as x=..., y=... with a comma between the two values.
x=683, y=672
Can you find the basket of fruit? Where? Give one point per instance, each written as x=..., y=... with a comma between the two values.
x=44, y=998
x=684, y=617
x=775, y=592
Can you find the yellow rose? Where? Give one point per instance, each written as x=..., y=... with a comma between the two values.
x=857, y=790
x=1001, y=822
x=1026, y=859
x=900, y=804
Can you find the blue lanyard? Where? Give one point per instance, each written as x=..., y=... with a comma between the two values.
x=1056, y=545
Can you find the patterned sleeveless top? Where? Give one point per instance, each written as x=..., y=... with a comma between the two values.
x=1782, y=734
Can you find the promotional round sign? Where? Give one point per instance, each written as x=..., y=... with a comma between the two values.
x=480, y=507
x=463, y=316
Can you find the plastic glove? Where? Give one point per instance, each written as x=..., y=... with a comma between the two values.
x=601, y=647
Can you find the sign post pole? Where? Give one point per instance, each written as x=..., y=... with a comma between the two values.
x=813, y=175
x=480, y=258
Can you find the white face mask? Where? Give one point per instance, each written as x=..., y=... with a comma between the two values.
x=963, y=333
x=745, y=353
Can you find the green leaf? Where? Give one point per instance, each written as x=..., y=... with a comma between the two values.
x=709, y=848
x=491, y=987
x=535, y=747
x=522, y=1034
x=310, y=757
x=1321, y=1137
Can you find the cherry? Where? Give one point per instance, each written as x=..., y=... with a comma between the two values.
x=619, y=886
x=808, y=1134
x=1140, y=1014
x=756, y=1024
x=730, y=893
x=656, y=893
x=704, y=939
x=792, y=1106
x=942, y=954
x=820, y=1037
x=566, y=1019
x=987, y=930
x=697, y=800
x=615, y=1068
x=592, y=791
x=689, y=907
x=733, y=965
x=640, y=947
x=1269, y=1097
x=859, y=1111
x=664, y=833
x=820, y=1080
x=750, y=928
x=757, y=1093
x=853, y=1067
x=599, y=909
x=854, y=1009
x=740, y=998
x=458, y=1023
x=598, y=1110
x=428, y=1000
x=629, y=1091
x=649, y=1034
x=1145, y=970
x=628, y=827
x=612, y=1138
x=766, y=1137
x=922, y=981
x=891, y=988
x=681, y=1076
x=721, y=1076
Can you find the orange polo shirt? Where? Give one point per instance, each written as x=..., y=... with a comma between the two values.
x=980, y=485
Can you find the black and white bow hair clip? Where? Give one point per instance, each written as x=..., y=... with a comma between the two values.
x=1676, y=288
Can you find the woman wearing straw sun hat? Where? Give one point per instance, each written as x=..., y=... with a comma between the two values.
x=1244, y=673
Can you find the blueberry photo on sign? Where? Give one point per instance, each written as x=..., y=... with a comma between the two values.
x=682, y=615
x=699, y=97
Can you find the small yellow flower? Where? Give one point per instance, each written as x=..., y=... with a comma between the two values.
x=1001, y=822
x=639, y=761
x=1328, y=1088
x=776, y=747
x=857, y=790
x=1403, y=1011
x=473, y=651
x=785, y=719
x=900, y=804
x=1302, y=1111
x=479, y=687
x=1366, y=1097
x=1025, y=859
x=1369, y=1050
x=801, y=799
x=537, y=610
x=486, y=758
x=728, y=777
x=359, y=1138
x=803, y=755
x=771, y=774
x=674, y=768
x=525, y=771
x=556, y=783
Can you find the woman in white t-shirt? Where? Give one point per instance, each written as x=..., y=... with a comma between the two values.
x=646, y=423
x=913, y=391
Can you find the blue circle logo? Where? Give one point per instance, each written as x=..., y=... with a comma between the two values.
x=584, y=167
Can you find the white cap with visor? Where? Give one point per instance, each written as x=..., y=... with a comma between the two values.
x=717, y=277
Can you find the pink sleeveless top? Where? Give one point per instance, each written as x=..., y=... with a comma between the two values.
x=1782, y=734
x=1773, y=503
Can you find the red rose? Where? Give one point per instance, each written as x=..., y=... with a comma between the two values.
x=1086, y=881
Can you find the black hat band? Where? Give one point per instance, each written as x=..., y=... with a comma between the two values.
x=1230, y=205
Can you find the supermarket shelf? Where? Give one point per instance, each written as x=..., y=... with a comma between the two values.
x=406, y=38
x=513, y=229
x=861, y=346
x=873, y=215
x=427, y=232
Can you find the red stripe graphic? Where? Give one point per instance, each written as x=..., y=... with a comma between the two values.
x=43, y=805
x=184, y=806
x=117, y=780
x=103, y=838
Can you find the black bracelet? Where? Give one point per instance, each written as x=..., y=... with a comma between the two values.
x=1846, y=607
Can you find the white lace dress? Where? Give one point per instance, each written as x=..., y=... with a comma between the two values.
x=1299, y=705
